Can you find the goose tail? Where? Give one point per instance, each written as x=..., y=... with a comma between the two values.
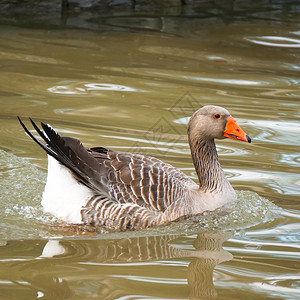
x=73, y=173
x=69, y=152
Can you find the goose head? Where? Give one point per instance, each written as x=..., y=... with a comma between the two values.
x=214, y=122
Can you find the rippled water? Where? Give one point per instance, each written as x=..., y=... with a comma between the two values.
x=130, y=84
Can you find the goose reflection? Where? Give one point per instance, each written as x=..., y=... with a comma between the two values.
x=106, y=268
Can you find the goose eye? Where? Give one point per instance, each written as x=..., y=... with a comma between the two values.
x=217, y=116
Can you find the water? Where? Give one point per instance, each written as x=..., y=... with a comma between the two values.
x=129, y=83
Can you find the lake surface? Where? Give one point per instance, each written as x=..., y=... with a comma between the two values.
x=129, y=81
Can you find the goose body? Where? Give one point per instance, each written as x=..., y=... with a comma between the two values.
x=120, y=190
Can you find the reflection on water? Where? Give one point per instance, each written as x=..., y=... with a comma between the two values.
x=96, y=259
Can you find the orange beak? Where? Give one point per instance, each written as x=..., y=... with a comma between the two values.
x=233, y=131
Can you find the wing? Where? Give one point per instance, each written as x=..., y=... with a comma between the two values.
x=145, y=181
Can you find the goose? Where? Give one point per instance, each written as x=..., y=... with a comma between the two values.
x=125, y=191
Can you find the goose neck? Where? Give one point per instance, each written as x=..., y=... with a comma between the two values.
x=207, y=165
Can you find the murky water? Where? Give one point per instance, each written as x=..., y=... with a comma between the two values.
x=130, y=85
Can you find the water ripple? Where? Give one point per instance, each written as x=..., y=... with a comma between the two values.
x=280, y=182
x=79, y=88
x=290, y=159
x=275, y=41
x=275, y=131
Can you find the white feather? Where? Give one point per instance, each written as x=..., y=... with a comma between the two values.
x=52, y=248
x=63, y=196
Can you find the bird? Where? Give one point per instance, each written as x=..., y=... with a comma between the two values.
x=127, y=191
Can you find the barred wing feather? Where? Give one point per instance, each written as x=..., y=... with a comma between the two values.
x=146, y=181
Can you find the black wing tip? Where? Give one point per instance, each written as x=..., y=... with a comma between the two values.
x=49, y=151
x=44, y=125
x=20, y=121
x=47, y=128
x=23, y=125
x=32, y=122
x=55, y=147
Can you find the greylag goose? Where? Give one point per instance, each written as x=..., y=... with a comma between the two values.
x=125, y=191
